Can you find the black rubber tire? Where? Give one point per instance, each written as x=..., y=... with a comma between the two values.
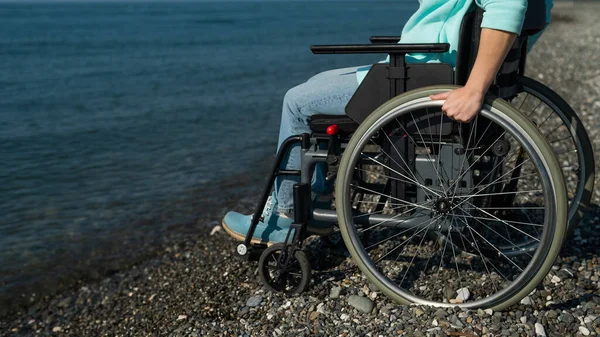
x=299, y=263
x=577, y=130
x=556, y=234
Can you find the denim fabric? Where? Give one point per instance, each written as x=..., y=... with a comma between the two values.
x=325, y=93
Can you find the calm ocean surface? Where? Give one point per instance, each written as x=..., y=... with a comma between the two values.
x=120, y=122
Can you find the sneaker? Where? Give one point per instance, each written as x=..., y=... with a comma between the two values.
x=272, y=227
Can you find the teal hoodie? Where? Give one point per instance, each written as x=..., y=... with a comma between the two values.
x=438, y=21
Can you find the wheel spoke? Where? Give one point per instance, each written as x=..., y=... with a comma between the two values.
x=488, y=205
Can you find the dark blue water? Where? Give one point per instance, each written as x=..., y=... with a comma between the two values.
x=122, y=121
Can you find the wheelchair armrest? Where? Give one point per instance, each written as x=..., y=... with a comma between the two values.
x=402, y=48
x=384, y=39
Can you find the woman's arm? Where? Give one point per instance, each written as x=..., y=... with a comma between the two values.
x=502, y=22
x=464, y=103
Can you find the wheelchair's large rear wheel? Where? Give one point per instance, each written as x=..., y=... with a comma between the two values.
x=566, y=134
x=466, y=183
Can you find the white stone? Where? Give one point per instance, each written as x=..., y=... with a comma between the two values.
x=539, y=330
x=489, y=311
x=555, y=279
x=344, y=317
x=584, y=331
x=215, y=230
x=181, y=317
x=527, y=300
x=320, y=308
x=434, y=322
x=463, y=294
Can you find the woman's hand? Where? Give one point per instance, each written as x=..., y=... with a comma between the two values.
x=461, y=104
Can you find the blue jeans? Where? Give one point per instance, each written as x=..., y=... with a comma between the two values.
x=325, y=93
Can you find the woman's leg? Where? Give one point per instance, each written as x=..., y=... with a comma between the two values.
x=325, y=93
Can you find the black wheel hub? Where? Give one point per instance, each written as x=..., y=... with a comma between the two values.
x=443, y=205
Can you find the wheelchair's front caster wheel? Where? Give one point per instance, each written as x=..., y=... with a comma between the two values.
x=283, y=272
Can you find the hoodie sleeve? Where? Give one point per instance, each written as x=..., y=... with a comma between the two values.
x=506, y=15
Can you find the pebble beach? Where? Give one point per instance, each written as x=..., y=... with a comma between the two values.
x=197, y=286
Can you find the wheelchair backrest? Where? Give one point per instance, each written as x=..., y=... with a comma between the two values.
x=385, y=81
x=514, y=64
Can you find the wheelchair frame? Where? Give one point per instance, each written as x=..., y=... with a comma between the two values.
x=395, y=78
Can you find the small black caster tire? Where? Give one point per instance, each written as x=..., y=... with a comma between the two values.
x=293, y=280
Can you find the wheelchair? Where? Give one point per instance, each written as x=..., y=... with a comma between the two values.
x=423, y=203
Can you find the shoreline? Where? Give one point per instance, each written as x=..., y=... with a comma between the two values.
x=127, y=251
x=195, y=286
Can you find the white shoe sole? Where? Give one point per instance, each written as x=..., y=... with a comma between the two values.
x=254, y=241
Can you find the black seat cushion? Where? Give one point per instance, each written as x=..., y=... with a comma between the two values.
x=320, y=123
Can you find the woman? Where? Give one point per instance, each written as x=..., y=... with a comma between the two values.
x=329, y=92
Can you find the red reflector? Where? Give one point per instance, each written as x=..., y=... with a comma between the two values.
x=333, y=129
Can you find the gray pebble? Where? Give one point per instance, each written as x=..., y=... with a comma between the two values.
x=243, y=311
x=254, y=301
x=361, y=303
x=335, y=292
x=441, y=313
x=449, y=293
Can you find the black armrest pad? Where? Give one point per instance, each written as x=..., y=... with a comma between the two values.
x=400, y=48
x=384, y=39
